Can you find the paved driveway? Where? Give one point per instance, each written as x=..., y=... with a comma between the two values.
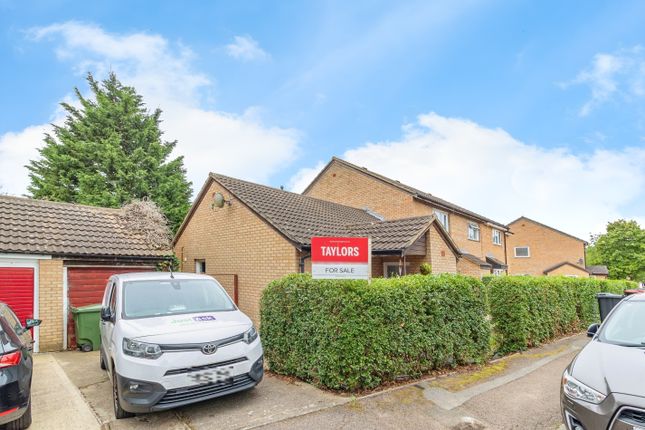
x=518, y=392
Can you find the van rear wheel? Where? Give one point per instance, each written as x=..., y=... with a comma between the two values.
x=119, y=412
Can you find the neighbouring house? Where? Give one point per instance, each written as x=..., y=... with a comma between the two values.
x=480, y=239
x=246, y=235
x=537, y=249
x=57, y=255
x=600, y=272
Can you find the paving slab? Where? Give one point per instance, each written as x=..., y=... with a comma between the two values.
x=272, y=400
x=56, y=401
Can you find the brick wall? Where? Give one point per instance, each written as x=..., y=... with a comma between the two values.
x=345, y=185
x=547, y=248
x=467, y=267
x=233, y=240
x=442, y=258
x=50, y=304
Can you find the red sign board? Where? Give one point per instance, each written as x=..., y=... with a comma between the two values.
x=340, y=250
x=340, y=257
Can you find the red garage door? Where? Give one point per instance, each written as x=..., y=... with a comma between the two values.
x=85, y=286
x=17, y=290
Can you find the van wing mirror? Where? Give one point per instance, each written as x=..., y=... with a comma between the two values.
x=106, y=314
x=592, y=330
x=30, y=323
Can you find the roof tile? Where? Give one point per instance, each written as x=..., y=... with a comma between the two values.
x=300, y=217
x=44, y=227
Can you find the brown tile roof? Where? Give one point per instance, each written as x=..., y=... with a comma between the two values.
x=298, y=218
x=546, y=226
x=476, y=260
x=598, y=270
x=564, y=263
x=392, y=235
x=52, y=228
x=416, y=193
x=495, y=262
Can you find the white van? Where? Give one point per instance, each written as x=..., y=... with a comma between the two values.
x=168, y=340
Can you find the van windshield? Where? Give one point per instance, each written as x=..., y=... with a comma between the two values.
x=626, y=325
x=142, y=299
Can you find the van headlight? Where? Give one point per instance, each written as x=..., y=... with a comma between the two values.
x=250, y=335
x=138, y=349
x=579, y=391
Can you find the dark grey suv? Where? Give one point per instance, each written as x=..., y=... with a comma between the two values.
x=604, y=386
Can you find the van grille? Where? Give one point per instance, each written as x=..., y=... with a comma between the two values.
x=196, y=393
x=205, y=366
x=632, y=416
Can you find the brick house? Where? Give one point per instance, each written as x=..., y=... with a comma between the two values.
x=257, y=234
x=481, y=240
x=56, y=255
x=537, y=249
x=600, y=272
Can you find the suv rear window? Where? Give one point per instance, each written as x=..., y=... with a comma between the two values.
x=143, y=299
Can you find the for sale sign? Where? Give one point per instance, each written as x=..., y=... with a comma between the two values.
x=340, y=257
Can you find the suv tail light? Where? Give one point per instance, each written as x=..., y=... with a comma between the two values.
x=11, y=359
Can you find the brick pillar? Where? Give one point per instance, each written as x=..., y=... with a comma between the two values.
x=50, y=298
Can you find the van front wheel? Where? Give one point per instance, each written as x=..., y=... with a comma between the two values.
x=119, y=412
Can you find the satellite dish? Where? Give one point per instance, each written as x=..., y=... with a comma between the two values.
x=218, y=200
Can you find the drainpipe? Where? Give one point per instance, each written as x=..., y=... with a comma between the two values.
x=301, y=265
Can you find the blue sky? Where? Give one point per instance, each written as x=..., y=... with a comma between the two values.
x=508, y=108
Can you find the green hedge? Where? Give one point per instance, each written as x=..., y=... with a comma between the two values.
x=349, y=335
x=527, y=311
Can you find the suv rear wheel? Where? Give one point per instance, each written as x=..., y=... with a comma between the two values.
x=21, y=423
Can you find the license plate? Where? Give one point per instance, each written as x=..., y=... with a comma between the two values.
x=214, y=376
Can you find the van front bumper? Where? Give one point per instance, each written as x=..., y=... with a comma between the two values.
x=144, y=396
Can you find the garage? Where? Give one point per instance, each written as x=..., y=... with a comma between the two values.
x=85, y=286
x=57, y=255
x=17, y=290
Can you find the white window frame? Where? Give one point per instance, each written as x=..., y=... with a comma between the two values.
x=528, y=252
x=498, y=272
x=395, y=263
x=198, y=265
x=443, y=218
x=477, y=232
x=497, y=234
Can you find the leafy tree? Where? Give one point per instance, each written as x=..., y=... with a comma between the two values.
x=621, y=248
x=110, y=151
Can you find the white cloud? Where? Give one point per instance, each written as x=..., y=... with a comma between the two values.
x=210, y=140
x=304, y=176
x=492, y=173
x=609, y=75
x=246, y=48
x=15, y=151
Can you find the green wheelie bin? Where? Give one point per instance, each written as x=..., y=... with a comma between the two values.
x=86, y=322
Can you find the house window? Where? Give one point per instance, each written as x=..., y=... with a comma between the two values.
x=443, y=219
x=522, y=251
x=473, y=231
x=498, y=272
x=391, y=269
x=497, y=237
x=200, y=266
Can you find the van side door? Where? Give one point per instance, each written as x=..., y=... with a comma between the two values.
x=107, y=327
